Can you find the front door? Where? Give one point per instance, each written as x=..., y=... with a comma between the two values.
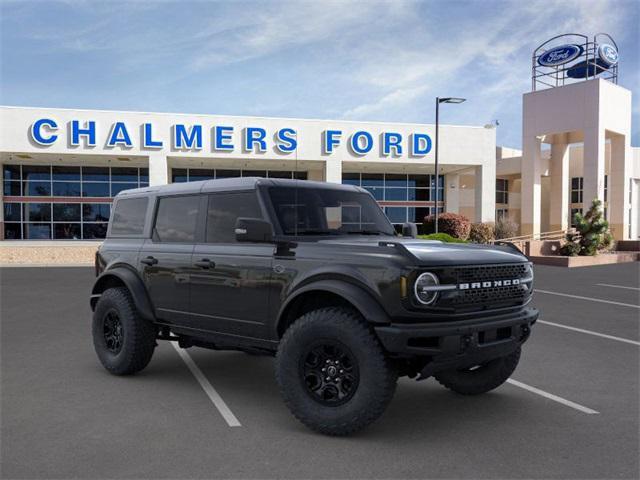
x=230, y=289
x=165, y=260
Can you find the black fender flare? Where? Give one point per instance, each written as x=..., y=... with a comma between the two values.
x=362, y=300
x=134, y=284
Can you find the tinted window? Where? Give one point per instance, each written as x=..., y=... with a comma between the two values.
x=224, y=209
x=176, y=219
x=95, y=212
x=128, y=216
x=66, y=212
x=36, y=172
x=66, y=173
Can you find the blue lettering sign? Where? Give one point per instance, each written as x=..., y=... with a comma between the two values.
x=222, y=135
x=187, y=139
x=119, y=136
x=147, y=138
x=421, y=144
x=391, y=140
x=331, y=140
x=89, y=131
x=255, y=136
x=357, y=146
x=37, y=134
x=286, y=140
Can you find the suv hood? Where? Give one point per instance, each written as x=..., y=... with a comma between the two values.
x=434, y=252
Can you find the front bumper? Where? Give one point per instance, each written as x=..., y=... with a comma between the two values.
x=448, y=345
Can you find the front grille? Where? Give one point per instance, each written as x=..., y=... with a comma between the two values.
x=491, y=272
x=486, y=297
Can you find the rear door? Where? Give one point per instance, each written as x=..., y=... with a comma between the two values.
x=230, y=289
x=165, y=259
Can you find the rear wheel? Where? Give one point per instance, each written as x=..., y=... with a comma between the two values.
x=333, y=373
x=123, y=341
x=480, y=378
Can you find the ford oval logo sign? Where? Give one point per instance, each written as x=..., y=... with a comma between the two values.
x=560, y=55
x=608, y=54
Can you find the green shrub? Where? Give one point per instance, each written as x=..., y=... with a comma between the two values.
x=458, y=226
x=482, y=232
x=505, y=228
x=443, y=237
x=592, y=233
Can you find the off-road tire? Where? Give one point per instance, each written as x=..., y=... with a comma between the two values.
x=377, y=376
x=138, y=335
x=481, y=380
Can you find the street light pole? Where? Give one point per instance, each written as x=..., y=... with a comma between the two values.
x=438, y=102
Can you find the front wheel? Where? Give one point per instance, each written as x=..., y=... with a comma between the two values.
x=333, y=373
x=480, y=378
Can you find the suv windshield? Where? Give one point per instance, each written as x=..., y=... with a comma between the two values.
x=324, y=211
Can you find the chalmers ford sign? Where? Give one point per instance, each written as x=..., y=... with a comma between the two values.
x=220, y=138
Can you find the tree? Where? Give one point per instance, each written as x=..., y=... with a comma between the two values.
x=592, y=233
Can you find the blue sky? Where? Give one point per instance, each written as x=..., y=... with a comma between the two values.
x=356, y=60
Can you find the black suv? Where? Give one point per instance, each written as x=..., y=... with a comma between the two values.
x=314, y=274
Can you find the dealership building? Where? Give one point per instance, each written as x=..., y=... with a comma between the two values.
x=61, y=168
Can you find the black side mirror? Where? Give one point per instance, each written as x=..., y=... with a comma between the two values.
x=409, y=230
x=254, y=230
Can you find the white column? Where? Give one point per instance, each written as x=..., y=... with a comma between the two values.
x=619, y=186
x=452, y=192
x=593, y=166
x=531, y=173
x=559, y=204
x=333, y=171
x=158, y=169
x=485, y=192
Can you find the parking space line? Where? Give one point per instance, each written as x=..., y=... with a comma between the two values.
x=211, y=392
x=617, y=286
x=600, y=300
x=590, y=332
x=555, y=398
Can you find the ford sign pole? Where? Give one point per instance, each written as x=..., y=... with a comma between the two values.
x=438, y=102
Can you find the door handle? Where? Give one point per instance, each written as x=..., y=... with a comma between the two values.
x=149, y=261
x=205, y=263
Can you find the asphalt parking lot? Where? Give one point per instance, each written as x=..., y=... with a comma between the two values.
x=572, y=410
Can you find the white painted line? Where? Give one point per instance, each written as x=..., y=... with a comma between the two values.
x=600, y=300
x=617, y=286
x=590, y=332
x=555, y=398
x=214, y=396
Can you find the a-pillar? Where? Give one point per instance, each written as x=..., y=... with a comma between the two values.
x=593, y=166
x=618, y=188
x=559, y=201
x=531, y=186
x=485, y=192
x=158, y=169
x=333, y=171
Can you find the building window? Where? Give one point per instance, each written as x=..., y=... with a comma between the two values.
x=179, y=175
x=573, y=212
x=502, y=191
x=576, y=189
x=502, y=213
x=606, y=187
x=81, y=203
x=401, y=188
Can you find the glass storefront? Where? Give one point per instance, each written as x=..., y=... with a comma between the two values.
x=195, y=174
x=416, y=195
x=75, y=201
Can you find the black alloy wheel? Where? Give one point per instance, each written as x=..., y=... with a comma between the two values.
x=330, y=373
x=113, y=332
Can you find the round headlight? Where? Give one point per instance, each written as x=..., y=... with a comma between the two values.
x=423, y=288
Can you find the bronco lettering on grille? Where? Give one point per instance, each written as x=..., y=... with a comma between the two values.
x=488, y=284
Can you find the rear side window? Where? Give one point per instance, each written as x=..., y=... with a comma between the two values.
x=176, y=219
x=224, y=209
x=128, y=216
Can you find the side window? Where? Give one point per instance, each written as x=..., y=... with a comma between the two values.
x=224, y=209
x=129, y=215
x=176, y=219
